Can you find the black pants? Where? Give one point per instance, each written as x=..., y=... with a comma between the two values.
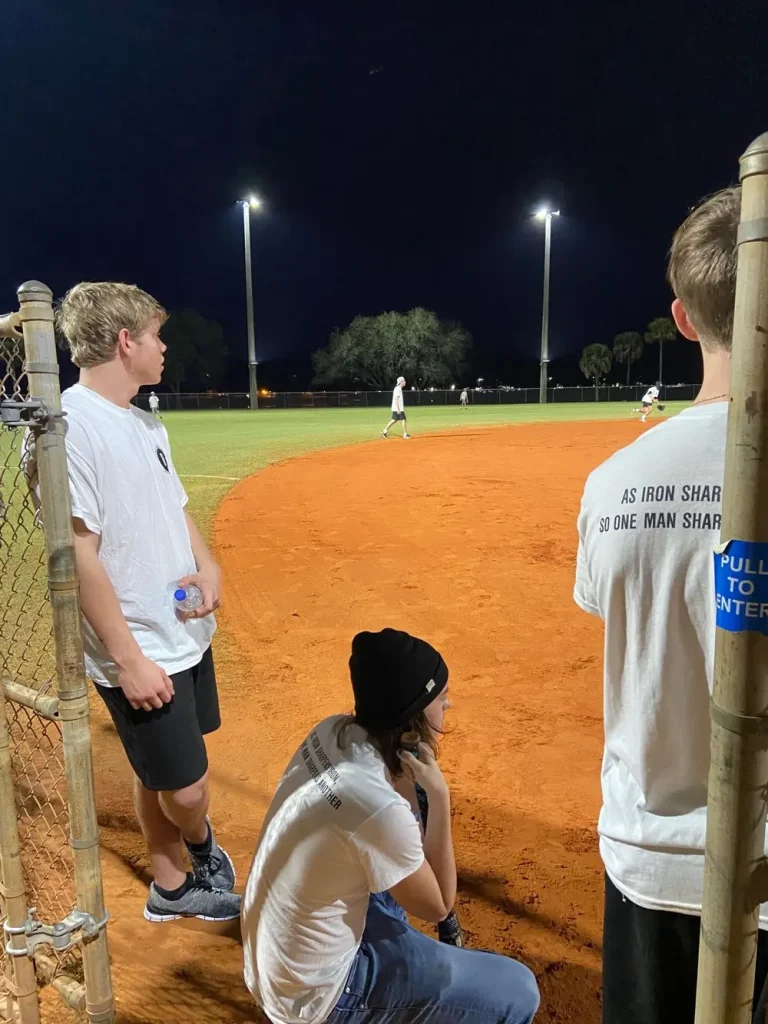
x=650, y=960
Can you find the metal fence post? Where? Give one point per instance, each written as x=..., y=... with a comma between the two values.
x=36, y=313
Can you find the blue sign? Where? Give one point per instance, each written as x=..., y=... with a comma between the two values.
x=741, y=587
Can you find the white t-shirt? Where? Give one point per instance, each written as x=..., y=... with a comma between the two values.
x=335, y=832
x=154, y=403
x=650, y=519
x=650, y=394
x=397, y=399
x=464, y=396
x=124, y=487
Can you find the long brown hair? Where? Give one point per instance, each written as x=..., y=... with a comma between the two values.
x=389, y=742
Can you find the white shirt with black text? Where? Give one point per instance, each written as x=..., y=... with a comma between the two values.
x=335, y=832
x=649, y=523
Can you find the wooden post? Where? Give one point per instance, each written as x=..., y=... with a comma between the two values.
x=734, y=882
x=20, y=971
x=72, y=688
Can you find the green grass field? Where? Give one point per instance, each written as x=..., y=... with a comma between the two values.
x=212, y=450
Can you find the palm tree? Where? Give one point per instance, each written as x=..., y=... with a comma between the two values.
x=661, y=329
x=595, y=362
x=627, y=348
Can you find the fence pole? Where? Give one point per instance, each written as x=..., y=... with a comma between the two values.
x=21, y=971
x=72, y=688
x=735, y=873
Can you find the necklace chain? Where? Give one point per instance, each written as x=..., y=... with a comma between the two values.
x=713, y=398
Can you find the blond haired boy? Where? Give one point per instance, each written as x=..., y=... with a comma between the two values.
x=133, y=541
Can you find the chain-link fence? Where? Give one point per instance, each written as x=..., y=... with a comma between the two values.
x=35, y=710
x=27, y=660
x=213, y=400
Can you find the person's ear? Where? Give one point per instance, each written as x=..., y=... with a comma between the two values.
x=124, y=342
x=682, y=322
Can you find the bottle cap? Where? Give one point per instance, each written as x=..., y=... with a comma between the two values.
x=180, y=595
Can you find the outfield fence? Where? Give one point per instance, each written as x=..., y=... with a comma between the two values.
x=51, y=901
x=413, y=397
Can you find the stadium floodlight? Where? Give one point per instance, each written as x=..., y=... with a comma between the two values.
x=546, y=214
x=251, y=202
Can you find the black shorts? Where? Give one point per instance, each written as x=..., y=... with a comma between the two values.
x=398, y=415
x=165, y=746
x=647, y=405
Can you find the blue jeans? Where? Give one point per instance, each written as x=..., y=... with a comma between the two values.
x=400, y=976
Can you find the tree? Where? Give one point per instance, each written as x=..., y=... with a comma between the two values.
x=376, y=350
x=195, y=348
x=595, y=362
x=627, y=348
x=661, y=329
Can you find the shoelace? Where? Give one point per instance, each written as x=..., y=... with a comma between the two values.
x=201, y=883
x=209, y=863
x=205, y=870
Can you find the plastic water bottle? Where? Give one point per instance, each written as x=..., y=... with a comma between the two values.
x=187, y=599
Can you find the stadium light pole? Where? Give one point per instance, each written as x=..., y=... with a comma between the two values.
x=251, y=203
x=546, y=215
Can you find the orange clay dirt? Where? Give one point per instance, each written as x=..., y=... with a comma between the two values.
x=469, y=540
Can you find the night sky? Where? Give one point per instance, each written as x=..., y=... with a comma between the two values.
x=400, y=149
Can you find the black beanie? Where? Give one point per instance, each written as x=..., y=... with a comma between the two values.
x=394, y=677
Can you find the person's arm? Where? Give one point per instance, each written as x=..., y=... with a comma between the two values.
x=430, y=892
x=208, y=575
x=583, y=591
x=145, y=684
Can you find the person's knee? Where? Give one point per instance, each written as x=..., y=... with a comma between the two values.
x=523, y=991
x=190, y=799
x=509, y=989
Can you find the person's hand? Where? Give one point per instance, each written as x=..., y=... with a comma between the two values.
x=145, y=684
x=424, y=770
x=209, y=582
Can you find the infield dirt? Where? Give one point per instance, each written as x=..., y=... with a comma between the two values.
x=469, y=540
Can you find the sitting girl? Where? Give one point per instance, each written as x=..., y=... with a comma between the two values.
x=342, y=858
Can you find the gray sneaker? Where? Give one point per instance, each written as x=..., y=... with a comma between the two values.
x=215, y=868
x=201, y=901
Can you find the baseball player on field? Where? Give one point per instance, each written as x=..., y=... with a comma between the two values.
x=398, y=409
x=650, y=398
